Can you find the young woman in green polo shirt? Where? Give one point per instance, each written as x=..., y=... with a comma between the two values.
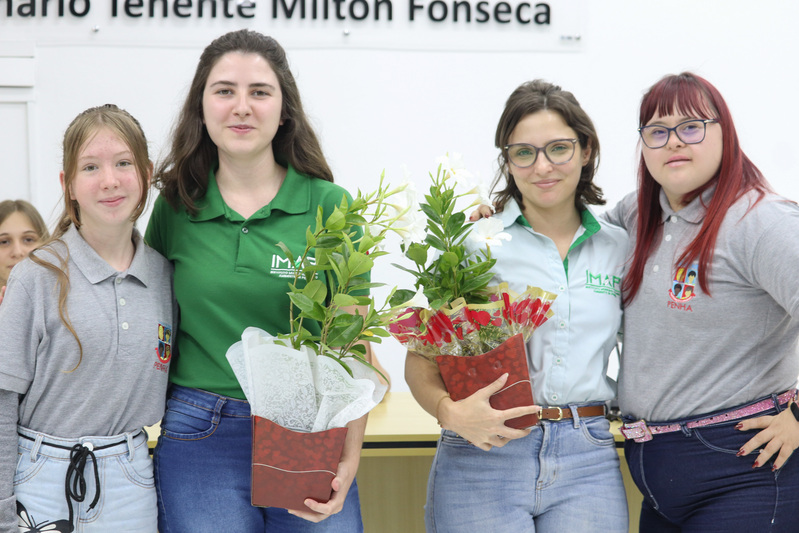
x=245, y=172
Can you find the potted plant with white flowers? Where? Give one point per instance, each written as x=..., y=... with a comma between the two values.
x=472, y=330
x=304, y=387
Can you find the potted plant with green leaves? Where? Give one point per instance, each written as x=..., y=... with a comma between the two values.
x=306, y=384
x=472, y=330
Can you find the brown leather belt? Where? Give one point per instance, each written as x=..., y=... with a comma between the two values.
x=562, y=413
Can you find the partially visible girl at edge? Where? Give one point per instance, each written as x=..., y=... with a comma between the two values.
x=245, y=172
x=563, y=474
x=21, y=230
x=703, y=370
x=83, y=368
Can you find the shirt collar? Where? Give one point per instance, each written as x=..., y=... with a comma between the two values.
x=694, y=212
x=293, y=197
x=512, y=214
x=95, y=269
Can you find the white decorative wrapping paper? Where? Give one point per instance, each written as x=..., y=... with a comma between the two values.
x=298, y=389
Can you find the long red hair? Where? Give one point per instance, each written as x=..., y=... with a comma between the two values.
x=690, y=95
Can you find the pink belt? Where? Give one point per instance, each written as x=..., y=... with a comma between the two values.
x=639, y=431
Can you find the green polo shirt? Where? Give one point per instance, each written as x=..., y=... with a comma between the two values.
x=230, y=273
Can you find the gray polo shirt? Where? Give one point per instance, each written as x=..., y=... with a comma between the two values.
x=124, y=321
x=687, y=352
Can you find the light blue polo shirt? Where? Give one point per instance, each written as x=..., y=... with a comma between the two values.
x=568, y=355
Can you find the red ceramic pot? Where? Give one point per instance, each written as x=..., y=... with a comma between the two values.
x=288, y=466
x=464, y=376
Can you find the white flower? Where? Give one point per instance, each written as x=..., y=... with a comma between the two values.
x=404, y=199
x=418, y=300
x=483, y=196
x=410, y=222
x=454, y=166
x=488, y=231
x=411, y=227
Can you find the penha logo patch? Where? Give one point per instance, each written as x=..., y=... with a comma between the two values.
x=683, y=286
x=164, y=349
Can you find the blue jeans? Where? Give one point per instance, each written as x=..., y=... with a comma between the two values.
x=127, y=490
x=203, y=468
x=692, y=481
x=562, y=477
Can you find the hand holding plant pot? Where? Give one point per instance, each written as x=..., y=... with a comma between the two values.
x=304, y=388
x=474, y=332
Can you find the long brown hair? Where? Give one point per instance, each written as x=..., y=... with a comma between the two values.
x=81, y=130
x=532, y=97
x=690, y=95
x=183, y=175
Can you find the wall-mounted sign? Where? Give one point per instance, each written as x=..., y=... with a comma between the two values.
x=396, y=24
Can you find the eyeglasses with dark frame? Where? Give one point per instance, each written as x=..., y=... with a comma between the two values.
x=558, y=152
x=690, y=132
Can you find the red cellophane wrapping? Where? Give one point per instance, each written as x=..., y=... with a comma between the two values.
x=474, y=344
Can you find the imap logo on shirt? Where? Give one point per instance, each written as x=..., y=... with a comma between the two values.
x=603, y=283
x=282, y=267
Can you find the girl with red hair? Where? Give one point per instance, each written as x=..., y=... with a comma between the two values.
x=708, y=375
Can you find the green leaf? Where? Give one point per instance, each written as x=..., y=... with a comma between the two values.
x=476, y=282
x=417, y=252
x=344, y=300
x=435, y=242
x=366, y=286
x=286, y=252
x=400, y=297
x=448, y=260
x=455, y=223
x=310, y=239
x=359, y=349
x=366, y=243
x=344, y=329
x=431, y=213
x=316, y=291
x=354, y=219
x=359, y=263
x=327, y=242
x=336, y=221
x=307, y=306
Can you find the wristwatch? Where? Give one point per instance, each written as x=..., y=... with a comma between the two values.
x=795, y=410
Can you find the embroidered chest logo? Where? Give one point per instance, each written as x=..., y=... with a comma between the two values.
x=164, y=349
x=603, y=283
x=683, y=286
x=282, y=267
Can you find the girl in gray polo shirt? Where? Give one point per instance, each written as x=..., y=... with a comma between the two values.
x=711, y=333
x=86, y=325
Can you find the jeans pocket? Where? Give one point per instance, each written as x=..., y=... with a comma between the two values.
x=184, y=421
x=723, y=439
x=27, y=469
x=139, y=471
x=597, y=431
x=450, y=438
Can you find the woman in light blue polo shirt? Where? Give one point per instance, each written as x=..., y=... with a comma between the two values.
x=562, y=475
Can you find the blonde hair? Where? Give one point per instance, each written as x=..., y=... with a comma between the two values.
x=79, y=132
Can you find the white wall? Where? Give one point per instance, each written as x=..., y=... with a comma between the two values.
x=384, y=106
